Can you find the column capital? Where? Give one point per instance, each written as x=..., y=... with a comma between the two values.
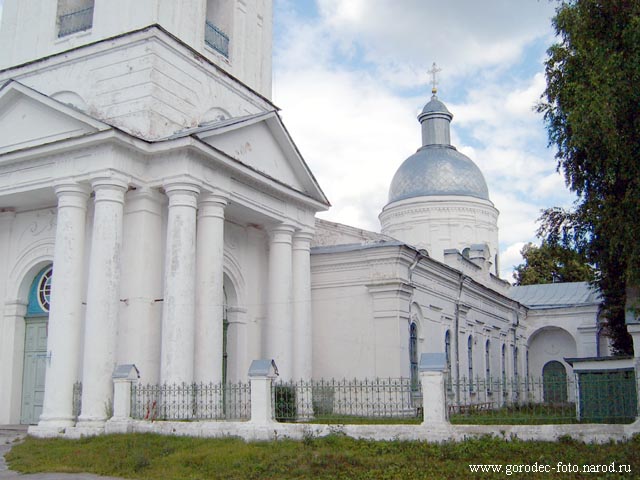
x=302, y=239
x=281, y=233
x=72, y=194
x=109, y=178
x=182, y=192
x=110, y=187
x=181, y=184
x=212, y=204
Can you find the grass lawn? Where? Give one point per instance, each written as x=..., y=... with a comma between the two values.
x=147, y=456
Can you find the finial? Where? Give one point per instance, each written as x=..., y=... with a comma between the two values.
x=434, y=77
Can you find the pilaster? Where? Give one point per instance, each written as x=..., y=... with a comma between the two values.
x=302, y=321
x=141, y=286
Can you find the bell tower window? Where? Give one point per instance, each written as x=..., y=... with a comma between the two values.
x=218, y=25
x=74, y=16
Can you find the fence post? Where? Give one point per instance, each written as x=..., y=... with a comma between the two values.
x=123, y=378
x=432, y=372
x=261, y=375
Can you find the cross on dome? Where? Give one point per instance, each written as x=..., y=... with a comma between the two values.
x=434, y=77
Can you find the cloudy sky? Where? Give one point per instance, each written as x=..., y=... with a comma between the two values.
x=351, y=76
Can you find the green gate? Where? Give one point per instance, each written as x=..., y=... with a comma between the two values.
x=608, y=396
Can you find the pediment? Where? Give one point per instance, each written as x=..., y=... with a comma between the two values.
x=262, y=143
x=29, y=118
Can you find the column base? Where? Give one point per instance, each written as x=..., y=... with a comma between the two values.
x=40, y=431
x=80, y=431
x=51, y=427
x=118, y=425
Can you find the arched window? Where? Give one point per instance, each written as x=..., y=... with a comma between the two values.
x=40, y=293
x=413, y=354
x=487, y=364
x=74, y=16
x=470, y=361
x=503, y=363
x=225, y=335
x=515, y=364
x=447, y=356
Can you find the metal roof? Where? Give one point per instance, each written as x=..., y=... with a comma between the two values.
x=554, y=295
x=438, y=170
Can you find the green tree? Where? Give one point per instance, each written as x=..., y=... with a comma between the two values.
x=591, y=107
x=552, y=263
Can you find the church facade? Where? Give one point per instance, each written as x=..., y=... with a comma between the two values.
x=155, y=211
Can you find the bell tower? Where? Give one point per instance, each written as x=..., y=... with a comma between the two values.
x=233, y=34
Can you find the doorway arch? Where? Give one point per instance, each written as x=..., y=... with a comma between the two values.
x=35, y=346
x=554, y=382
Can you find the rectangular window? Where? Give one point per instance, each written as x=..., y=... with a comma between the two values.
x=74, y=16
x=217, y=25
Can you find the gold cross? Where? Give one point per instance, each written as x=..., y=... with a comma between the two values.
x=434, y=77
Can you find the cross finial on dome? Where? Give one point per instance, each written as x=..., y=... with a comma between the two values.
x=434, y=77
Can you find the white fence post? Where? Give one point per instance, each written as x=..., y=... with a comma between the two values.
x=434, y=403
x=123, y=378
x=261, y=375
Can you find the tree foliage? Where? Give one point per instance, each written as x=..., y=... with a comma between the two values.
x=552, y=263
x=591, y=107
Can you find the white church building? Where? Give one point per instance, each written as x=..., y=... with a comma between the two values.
x=155, y=211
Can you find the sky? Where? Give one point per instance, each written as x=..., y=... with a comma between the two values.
x=351, y=76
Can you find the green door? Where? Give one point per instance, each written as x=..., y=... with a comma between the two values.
x=35, y=347
x=554, y=382
x=34, y=367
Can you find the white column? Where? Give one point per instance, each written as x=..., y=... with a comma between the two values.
x=279, y=334
x=103, y=299
x=209, y=292
x=65, y=313
x=141, y=285
x=176, y=359
x=302, y=323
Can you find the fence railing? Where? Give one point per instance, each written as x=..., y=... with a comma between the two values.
x=389, y=400
x=541, y=400
x=216, y=39
x=73, y=22
x=191, y=401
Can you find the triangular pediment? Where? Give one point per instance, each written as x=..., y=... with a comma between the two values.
x=29, y=118
x=263, y=143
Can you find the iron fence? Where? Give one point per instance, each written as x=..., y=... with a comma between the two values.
x=77, y=399
x=192, y=401
x=216, y=39
x=73, y=22
x=599, y=399
x=389, y=400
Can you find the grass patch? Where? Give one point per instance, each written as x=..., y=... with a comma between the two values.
x=149, y=456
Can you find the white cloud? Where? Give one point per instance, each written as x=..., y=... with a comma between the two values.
x=510, y=256
x=342, y=79
x=464, y=35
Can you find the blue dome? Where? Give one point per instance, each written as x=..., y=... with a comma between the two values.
x=438, y=170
